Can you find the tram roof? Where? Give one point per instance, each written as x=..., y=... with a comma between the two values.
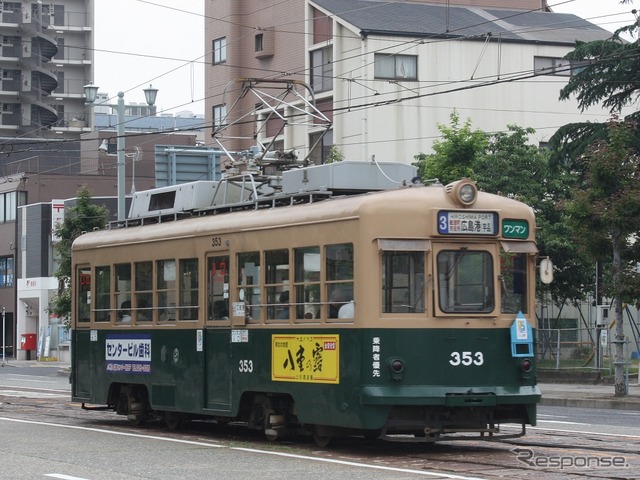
x=411, y=202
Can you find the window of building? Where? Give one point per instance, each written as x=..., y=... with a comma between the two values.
x=259, y=42
x=276, y=264
x=320, y=146
x=166, y=289
x=9, y=203
x=6, y=272
x=188, y=289
x=556, y=66
x=218, y=288
x=219, y=114
x=403, y=281
x=322, y=69
x=395, y=67
x=219, y=49
x=249, y=284
x=465, y=281
x=307, y=282
x=103, y=294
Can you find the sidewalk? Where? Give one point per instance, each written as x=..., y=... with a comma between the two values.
x=589, y=396
x=553, y=394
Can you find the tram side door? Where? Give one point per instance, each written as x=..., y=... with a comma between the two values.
x=218, y=335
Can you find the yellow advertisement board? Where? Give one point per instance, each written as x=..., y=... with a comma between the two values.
x=305, y=358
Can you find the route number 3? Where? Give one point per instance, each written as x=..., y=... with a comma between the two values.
x=245, y=366
x=466, y=358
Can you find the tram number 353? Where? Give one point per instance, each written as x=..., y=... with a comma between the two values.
x=245, y=366
x=466, y=359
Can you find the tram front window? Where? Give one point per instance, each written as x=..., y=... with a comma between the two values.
x=465, y=281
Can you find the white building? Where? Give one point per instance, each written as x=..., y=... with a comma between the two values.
x=387, y=73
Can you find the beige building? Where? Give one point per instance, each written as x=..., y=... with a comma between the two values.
x=386, y=74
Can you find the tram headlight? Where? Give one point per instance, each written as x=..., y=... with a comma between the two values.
x=463, y=192
x=396, y=367
x=526, y=365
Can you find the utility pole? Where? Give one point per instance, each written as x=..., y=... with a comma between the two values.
x=4, y=331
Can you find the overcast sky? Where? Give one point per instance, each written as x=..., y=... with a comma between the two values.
x=161, y=42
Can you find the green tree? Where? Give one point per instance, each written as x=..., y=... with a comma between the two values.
x=84, y=217
x=454, y=155
x=603, y=212
x=609, y=75
x=514, y=167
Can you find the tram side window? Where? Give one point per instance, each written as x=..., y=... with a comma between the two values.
x=144, y=291
x=166, y=289
x=84, y=295
x=123, y=291
x=249, y=284
x=513, y=282
x=307, y=282
x=276, y=263
x=218, y=288
x=103, y=294
x=188, y=289
x=465, y=281
x=403, y=282
x=339, y=280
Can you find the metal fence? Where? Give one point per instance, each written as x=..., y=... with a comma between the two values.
x=583, y=348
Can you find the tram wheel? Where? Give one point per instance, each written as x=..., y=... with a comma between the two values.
x=137, y=420
x=173, y=420
x=261, y=411
x=322, y=441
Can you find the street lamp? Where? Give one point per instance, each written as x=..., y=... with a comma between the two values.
x=150, y=95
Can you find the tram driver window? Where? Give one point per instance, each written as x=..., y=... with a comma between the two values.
x=513, y=282
x=403, y=282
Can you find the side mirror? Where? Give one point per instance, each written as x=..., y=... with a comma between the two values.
x=546, y=270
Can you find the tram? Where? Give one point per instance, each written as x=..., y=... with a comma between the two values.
x=386, y=310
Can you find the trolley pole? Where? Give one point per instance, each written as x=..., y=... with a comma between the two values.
x=4, y=332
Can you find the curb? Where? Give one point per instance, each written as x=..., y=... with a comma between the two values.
x=602, y=403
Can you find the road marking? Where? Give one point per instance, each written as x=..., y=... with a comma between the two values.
x=27, y=394
x=564, y=423
x=584, y=432
x=250, y=450
x=62, y=476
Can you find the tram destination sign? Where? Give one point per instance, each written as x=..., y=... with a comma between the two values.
x=467, y=223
